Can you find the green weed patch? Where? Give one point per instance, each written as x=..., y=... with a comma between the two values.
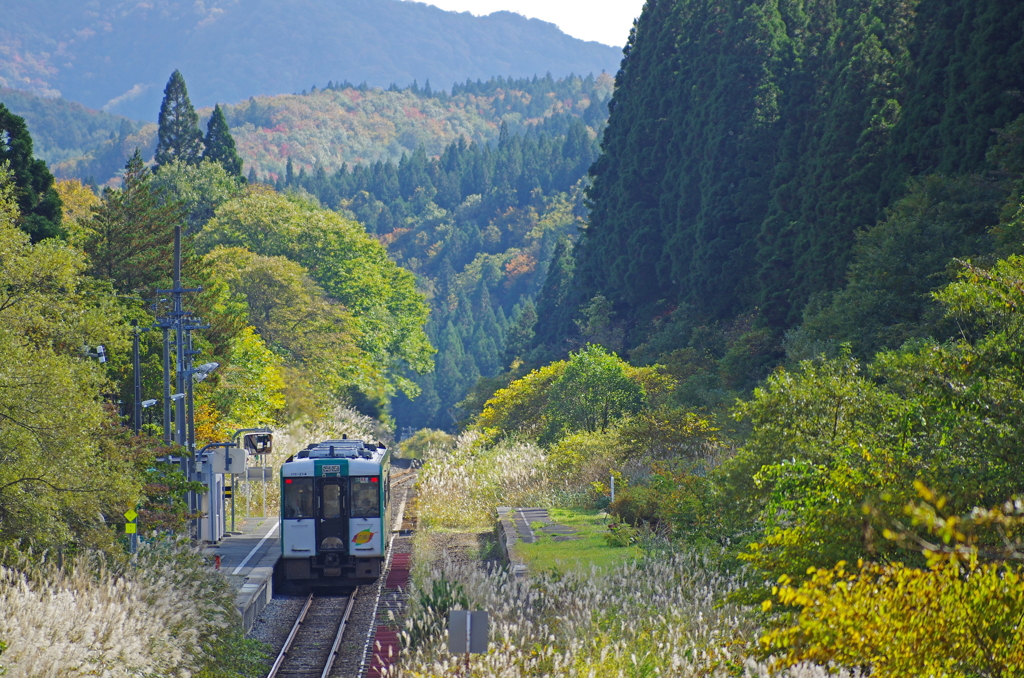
x=586, y=548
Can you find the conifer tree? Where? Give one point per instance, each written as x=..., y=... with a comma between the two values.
x=520, y=335
x=556, y=306
x=179, y=137
x=133, y=232
x=220, y=145
x=34, y=191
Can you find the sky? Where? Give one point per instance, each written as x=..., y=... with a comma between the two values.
x=606, y=21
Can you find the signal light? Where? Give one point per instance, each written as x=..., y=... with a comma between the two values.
x=374, y=480
x=287, y=481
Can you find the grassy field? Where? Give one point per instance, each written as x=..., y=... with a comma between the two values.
x=590, y=549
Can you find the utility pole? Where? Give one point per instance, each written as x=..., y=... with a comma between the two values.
x=179, y=343
x=136, y=380
x=180, y=322
x=161, y=323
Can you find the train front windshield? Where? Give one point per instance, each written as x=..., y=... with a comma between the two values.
x=298, y=497
x=366, y=497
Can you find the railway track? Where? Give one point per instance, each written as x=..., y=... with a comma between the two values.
x=312, y=645
x=382, y=646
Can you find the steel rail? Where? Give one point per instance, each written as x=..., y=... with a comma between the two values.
x=337, y=638
x=291, y=638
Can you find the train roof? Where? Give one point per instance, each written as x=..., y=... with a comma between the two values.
x=345, y=448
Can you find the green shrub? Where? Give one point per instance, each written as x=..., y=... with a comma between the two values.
x=636, y=505
x=425, y=443
x=621, y=534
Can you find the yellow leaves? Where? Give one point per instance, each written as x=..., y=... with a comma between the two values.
x=929, y=496
x=903, y=621
x=963, y=614
x=78, y=202
x=518, y=407
x=251, y=387
x=209, y=422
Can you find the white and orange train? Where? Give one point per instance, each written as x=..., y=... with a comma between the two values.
x=335, y=513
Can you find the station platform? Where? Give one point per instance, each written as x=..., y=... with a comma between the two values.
x=247, y=557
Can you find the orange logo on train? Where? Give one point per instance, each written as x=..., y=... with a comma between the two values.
x=363, y=537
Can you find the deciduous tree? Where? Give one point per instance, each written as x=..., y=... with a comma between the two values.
x=594, y=390
x=56, y=481
x=296, y=319
x=353, y=269
x=200, y=189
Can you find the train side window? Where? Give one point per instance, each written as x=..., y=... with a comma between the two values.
x=365, y=497
x=332, y=501
x=298, y=497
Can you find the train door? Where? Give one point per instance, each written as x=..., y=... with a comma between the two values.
x=332, y=515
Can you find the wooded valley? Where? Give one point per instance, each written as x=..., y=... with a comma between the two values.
x=767, y=285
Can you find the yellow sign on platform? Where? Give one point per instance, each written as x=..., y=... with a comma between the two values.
x=129, y=528
x=130, y=514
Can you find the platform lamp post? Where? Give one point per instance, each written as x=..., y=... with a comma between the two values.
x=146, y=404
x=100, y=353
x=192, y=376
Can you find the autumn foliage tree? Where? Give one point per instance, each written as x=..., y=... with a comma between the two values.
x=58, y=482
x=965, y=603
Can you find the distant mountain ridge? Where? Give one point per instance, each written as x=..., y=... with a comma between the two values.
x=323, y=128
x=116, y=55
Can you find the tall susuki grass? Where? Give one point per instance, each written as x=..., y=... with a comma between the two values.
x=664, y=615
x=161, y=613
x=660, y=617
x=459, y=488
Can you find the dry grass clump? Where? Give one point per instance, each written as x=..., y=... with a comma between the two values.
x=661, y=617
x=156, y=615
x=459, y=488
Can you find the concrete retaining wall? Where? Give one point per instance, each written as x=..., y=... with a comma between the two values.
x=254, y=595
x=508, y=537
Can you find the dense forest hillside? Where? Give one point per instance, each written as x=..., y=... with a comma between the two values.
x=341, y=123
x=749, y=143
x=116, y=55
x=478, y=222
